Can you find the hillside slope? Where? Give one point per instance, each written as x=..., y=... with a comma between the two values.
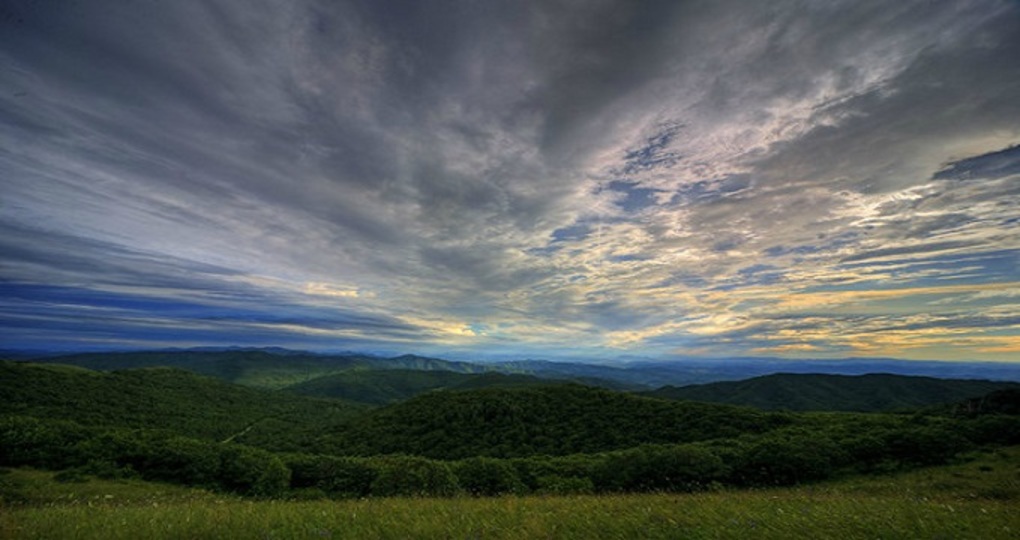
x=387, y=386
x=271, y=369
x=166, y=399
x=551, y=420
x=819, y=392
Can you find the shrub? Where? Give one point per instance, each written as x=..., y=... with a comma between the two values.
x=184, y=461
x=660, y=468
x=994, y=429
x=333, y=475
x=482, y=476
x=412, y=476
x=786, y=459
x=925, y=444
x=251, y=471
x=49, y=444
x=564, y=485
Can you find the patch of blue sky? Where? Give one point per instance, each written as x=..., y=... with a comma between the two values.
x=960, y=321
x=755, y=275
x=103, y=334
x=628, y=258
x=727, y=244
x=80, y=305
x=575, y=232
x=986, y=267
x=1002, y=331
x=761, y=274
x=654, y=153
x=635, y=198
x=709, y=191
x=674, y=342
x=92, y=298
x=992, y=165
x=685, y=280
x=779, y=251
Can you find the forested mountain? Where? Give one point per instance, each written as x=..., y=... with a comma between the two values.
x=1005, y=401
x=386, y=386
x=166, y=399
x=273, y=368
x=552, y=420
x=820, y=392
x=651, y=374
x=170, y=425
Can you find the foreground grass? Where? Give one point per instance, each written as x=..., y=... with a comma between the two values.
x=975, y=500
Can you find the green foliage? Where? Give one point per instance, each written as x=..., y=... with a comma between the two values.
x=821, y=392
x=553, y=484
x=153, y=455
x=554, y=420
x=994, y=429
x=385, y=386
x=266, y=369
x=41, y=443
x=786, y=459
x=171, y=426
x=182, y=460
x=1001, y=402
x=332, y=475
x=977, y=500
x=412, y=476
x=661, y=468
x=167, y=399
x=926, y=444
x=482, y=476
x=251, y=471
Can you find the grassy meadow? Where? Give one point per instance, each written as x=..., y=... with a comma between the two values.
x=976, y=499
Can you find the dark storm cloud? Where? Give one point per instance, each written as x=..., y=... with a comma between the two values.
x=972, y=87
x=992, y=165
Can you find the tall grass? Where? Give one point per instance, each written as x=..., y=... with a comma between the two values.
x=727, y=515
x=976, y=500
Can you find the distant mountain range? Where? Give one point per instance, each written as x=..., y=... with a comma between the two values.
x=259, y=368
x=276, y=367
x=519, y=431
x=822, y=392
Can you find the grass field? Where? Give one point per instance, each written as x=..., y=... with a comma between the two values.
x=979, y=499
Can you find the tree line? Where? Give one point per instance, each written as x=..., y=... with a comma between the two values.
x=786, y=456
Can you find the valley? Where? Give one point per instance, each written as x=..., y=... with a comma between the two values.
x=366, y=428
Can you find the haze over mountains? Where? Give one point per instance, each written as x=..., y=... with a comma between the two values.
x=850, y=385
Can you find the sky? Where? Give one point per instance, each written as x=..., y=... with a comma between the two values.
x=546, y=179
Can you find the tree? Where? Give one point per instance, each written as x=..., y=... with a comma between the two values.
x=482, y=476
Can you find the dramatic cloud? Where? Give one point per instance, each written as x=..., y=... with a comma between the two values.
x=544, y=178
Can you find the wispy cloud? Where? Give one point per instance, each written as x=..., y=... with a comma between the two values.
x=721, y=178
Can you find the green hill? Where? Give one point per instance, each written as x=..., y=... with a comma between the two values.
x=382, y=387
x=165, y=399
x=171, y=425
x=271, y=369
x=551, y=420
x=818, y=392
x=1004, y=402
